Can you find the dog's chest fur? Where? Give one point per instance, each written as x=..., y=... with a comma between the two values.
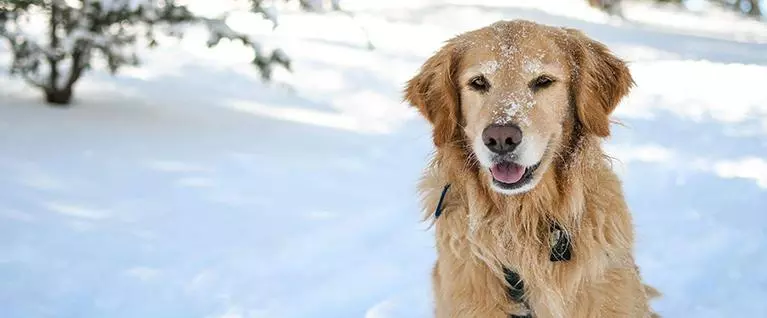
x=480, y=233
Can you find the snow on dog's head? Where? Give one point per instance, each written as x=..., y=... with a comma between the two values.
x=518, y=96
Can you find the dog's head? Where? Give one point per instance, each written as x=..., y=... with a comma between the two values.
x=515, y=96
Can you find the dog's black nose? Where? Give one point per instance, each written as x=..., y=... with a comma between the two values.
x=502, y=139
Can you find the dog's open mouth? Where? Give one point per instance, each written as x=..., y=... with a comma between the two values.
x=508, y=175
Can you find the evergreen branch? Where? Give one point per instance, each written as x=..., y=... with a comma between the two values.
x=219, y=30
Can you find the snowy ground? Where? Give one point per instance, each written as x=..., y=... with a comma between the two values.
x=190, y=189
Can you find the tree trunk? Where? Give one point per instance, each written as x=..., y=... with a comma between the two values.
x=59, y=97
x=755, y=11
x=53, y=95
x=53, y=77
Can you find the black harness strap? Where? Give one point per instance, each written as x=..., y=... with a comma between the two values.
x=516, y=290
x=560, y=244
x=561, y=250
x=438, y=211
x=516, y=285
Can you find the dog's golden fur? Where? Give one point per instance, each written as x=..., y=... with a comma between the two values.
x=482, y=230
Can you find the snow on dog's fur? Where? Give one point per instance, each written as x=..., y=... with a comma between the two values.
x=557, y=87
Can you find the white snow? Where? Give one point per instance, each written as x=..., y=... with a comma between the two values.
x=533, y=66
x=747, y=168
x=189, y=188
x=517, y=105
x=489, y=67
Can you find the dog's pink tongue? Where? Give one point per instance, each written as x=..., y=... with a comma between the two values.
x=507, y=172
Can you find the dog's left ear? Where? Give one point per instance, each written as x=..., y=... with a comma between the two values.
x=600, y=81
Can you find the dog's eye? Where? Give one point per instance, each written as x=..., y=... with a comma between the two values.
x=479, y=83
x=541, y=82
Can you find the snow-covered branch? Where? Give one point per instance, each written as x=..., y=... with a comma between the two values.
x=27, y=55
x=219, y=30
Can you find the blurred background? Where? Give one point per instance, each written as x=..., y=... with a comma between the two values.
x=250, y=159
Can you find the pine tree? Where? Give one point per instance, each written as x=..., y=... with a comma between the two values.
x=78, y=31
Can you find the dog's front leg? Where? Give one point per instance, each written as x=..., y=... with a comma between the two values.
x=620, y=295
x=470, y=290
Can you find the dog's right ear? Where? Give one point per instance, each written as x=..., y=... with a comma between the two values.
x=435, y=93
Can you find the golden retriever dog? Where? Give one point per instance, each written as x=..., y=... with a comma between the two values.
x=533, y=220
